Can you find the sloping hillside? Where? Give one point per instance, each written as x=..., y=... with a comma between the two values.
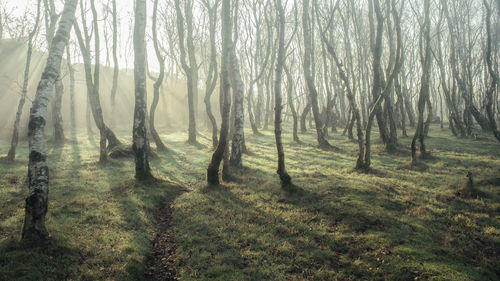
x=172, y=108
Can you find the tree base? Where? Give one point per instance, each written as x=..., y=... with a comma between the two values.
x=286, y=180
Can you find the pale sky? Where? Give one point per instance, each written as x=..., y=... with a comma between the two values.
x=125, y=14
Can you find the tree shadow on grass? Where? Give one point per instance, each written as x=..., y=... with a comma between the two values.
x=247, y=242
x=139, y=201
x=53, y=259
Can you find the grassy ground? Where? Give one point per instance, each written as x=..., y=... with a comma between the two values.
x=393, y=223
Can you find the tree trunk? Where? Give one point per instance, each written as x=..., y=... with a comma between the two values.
x=425, y=81
x=493, y=76
x=313, y=94
x=56, y=112
x=218, y=155
x=114, y=87
x=190, y=69
x=212, y=72
x=238, y=93
x=290, y=93
x=71, y=91
x=286, y=180
x=92, y=83
x=38, y=171
x=303, y=116
x=156, y=95
x=380, y=91
x=11, y=156
x=51, y=18
x=139, y=132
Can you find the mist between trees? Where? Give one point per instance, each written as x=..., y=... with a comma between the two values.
x=332, y=67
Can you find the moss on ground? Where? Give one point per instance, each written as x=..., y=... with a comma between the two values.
x=393, y=223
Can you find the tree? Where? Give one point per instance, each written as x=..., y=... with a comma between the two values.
x=237, y=143
x=114, y=86
x=51, y=18
x=156, y=95
x=38, y=172
x=379, y=89
x=191, y=68
x=493, y=76
x=217, y=156
x=212, y=72
x=92, y=80
x=71, y=71
x=424, y=86
x=284, y=177
x=290, y=98
x=15, y=134
x=313, y=93
x=140, y=137
x=350, y=94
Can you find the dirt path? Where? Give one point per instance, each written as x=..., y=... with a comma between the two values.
x=161, y=265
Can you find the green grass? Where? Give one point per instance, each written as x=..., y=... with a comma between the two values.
x=337, y=224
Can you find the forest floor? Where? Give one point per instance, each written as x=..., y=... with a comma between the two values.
x=393, y=223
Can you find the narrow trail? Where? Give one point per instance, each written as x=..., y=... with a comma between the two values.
x=160, y=265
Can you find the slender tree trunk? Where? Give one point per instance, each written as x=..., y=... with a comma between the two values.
x=493, y=76
x=290, y=96
x=114, y=87
x=71, y=91
x=313, y=94
x=238, y=137
x=212, y=72
x=11, y=156
x=286, y=180
x=425, y=81
x=156, y=95
x=51, y=18
x=92, y=82
x=219, y=153
x=56, y=113
x=139, y=132
x=38, y=172
x=102, y=127
x=380, y=91
x=303, y=116
x=190, y=69
x=350, y=96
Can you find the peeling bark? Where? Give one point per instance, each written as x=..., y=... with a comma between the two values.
x=38, y=172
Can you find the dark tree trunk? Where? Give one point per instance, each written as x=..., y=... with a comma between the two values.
x=380, y=91
x=493, y=76
x=313, y=94
x=425, y=81
x=303, y=116
x=286, y=180
x=221, y=150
